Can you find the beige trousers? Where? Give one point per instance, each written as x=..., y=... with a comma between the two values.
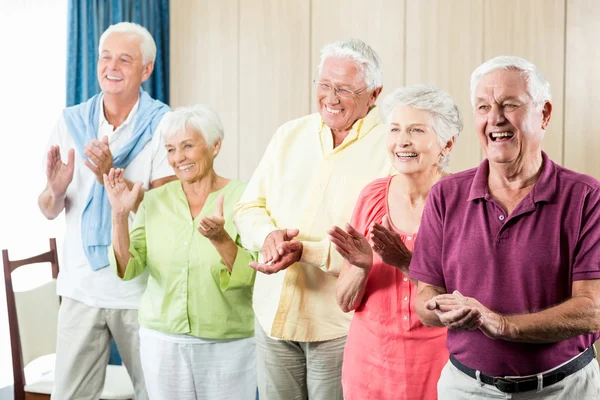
x=289, y=370
x=582, y=385
x=82, y=350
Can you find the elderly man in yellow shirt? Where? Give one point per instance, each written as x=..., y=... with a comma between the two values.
x=307, y=181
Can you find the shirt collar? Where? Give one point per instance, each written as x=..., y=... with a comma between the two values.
x=362, y=126
x=130, y=118
x=543, y=190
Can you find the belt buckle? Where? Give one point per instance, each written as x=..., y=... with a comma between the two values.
x=506, y=385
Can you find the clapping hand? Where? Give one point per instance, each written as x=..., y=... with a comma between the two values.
x=388, y=244
x=213, y=228
x=58, y=174
x=98, y=152
x=352, y=245
x=122, y=199
x=279, y=251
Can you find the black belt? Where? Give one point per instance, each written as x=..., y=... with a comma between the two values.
x=514, y=385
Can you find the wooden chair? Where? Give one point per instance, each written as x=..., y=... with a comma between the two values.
x=32, y=321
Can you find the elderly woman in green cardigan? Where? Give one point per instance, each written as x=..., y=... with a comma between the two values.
x=196, y=318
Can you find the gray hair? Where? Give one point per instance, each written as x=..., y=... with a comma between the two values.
x=147, y=45
x=537, y=85
x=199, y=117
x=444, y=112
x=365, y=58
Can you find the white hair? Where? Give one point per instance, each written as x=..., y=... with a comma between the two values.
x=199, y=117
x=444, y=112
x=537, y=85
x=365, y=58
x=147, y=45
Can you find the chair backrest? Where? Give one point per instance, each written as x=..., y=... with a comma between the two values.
x=32, y=315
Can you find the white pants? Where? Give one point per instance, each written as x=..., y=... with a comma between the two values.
x=83, y=346
x=582, y=385
x=190, y=371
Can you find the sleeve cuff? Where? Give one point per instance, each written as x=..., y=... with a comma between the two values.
x=241, y=276
x=315, y=253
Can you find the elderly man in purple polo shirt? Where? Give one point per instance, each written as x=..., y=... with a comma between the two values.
x=508, y=256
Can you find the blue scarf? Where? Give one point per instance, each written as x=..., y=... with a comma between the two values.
x=82, y=123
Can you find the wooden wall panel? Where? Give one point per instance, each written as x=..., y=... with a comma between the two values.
x=379, y=23
x=204, y=66
x=582, y=118
x=535, y=30
x=435, y=55
x=274, y=74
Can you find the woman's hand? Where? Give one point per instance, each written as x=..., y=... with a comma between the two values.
x=122, y=200
x=353, y=246
x=390, y=247
x=213, y=228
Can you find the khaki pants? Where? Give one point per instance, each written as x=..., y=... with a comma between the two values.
x=289, y=370
x=82, y=350
x=582, y=385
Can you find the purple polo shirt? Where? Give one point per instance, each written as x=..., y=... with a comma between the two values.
x=522, y=263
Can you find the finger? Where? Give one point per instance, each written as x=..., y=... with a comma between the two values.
x=455, y=316
x=219, y=209
x=208, y=223
x=94, y=149
x=459, y=295
x=338, y=234
x=431, y=305
x=93, y=158
x=353, y=232
x=120, y=177
x=92, y=167
x=137, y=187
x=291, y=233
x=343, y=253
x=383, y=237
x=111, y=177
x=470, y=318
x=102, y=145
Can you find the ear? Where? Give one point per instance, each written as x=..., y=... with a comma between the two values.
x=148, y=68
x=374, y=95
x=217, y=148
x=546, y=113
x=449, y=145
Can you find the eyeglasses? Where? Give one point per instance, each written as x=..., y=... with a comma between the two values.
x=340, y=92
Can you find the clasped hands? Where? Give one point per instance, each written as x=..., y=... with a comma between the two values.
x=279, y=251
x=459, y=312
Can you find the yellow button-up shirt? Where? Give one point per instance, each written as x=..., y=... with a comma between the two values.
x=303, y=182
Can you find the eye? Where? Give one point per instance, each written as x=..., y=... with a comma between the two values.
x=509, y=105
x=483, y=107
x=105, y=57
x=325, y=86
x=395, y=129
x=124, y=60
x=170, y=150
x=344, y=92
x=417, y=130
x=187, y=146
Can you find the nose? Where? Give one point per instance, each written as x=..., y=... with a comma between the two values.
x=496, y=115
x=332, y=97
x=179, y=156
x=404, y=138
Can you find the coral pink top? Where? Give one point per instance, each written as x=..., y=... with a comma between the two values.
x=389, y=353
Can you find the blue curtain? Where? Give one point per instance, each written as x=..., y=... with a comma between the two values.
x=89, y=18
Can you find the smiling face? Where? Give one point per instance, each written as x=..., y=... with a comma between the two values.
x=189, y=155
x=120, y=68
x=509, y=127
x=412, y=142
x=338, y=112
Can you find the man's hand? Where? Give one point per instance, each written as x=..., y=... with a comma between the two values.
x=466, y=313
x=213, y=228
x=98, y=152
x=270, y=250
x=388, y=244
x=353, y=246
x=289, y=253
x=59, y=175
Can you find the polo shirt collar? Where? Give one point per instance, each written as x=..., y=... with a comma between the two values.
x=543, y=190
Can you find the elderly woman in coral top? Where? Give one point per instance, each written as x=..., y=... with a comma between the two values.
x=389, y=354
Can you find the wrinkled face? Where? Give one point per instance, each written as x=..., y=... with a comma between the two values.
x=120, y=68
x=509, y=127
x=412, y=142
x=189, y=155
x=341, y=112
